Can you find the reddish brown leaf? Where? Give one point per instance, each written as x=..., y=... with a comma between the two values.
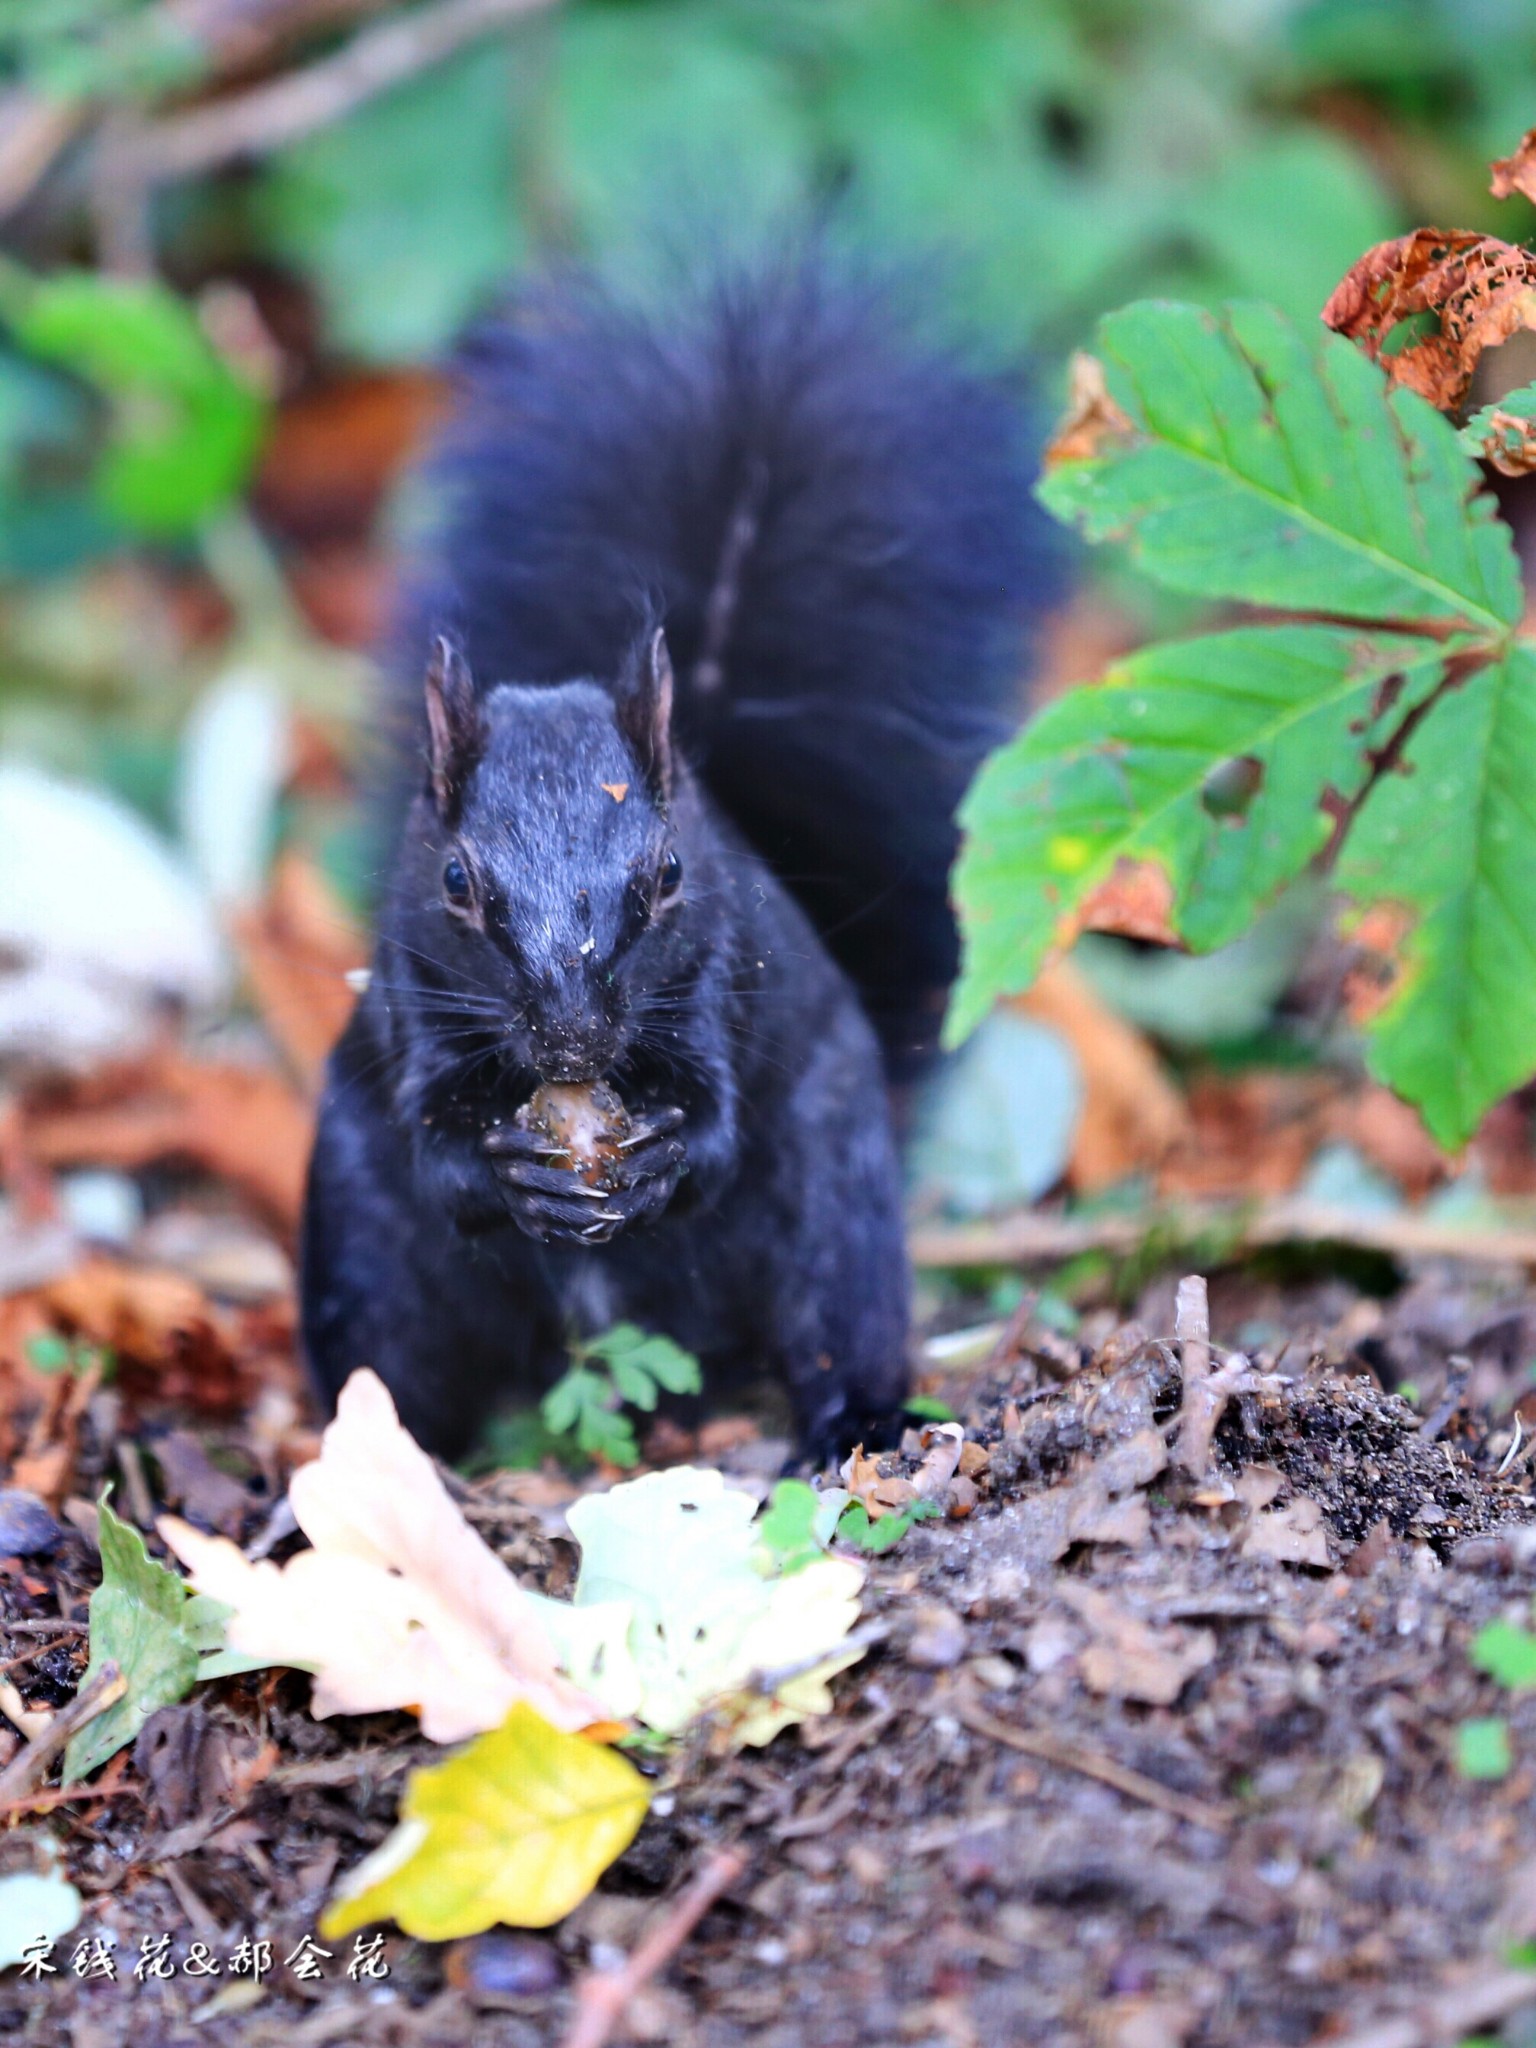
x=1516, y=173
x=1508, y=443
x=1136, y=901
x=1378, y=942
x=299, y=947
x=1093, y=423
x=240, y=1124
x=1479, y=289
x=1132, y=1114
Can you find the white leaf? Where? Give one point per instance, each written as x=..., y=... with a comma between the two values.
x=400, y=1603
x=675, y=1556
x=234, y=758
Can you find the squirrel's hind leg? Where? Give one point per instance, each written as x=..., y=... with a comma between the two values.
x=843, y=1292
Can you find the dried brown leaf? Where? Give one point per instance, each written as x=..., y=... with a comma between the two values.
x=298, y=947
x=1132, y=1115
x=241, y=1124
x=1516, y=172
x=1093, y=422
x=1480, y=290
x=1293, y=1534
x=1136, y=901
x=1508, y=443
x=1130, y=1659
x=1096, y=1505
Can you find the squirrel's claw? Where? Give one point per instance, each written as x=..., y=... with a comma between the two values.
x=516, y=1141
x=556, y=1205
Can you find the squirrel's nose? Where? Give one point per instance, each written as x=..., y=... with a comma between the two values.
x=572, y=1039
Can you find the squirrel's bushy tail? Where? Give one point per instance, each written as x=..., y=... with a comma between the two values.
x=834, y=522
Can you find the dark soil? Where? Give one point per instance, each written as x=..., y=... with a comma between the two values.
x=1114, y=1771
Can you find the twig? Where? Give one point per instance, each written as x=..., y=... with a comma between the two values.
x=1460, y=1373
x=602, y=1995
x=1028, y=1238
x=1486, y=1998
x=1192, y=1332
x=1089, y=1764
x=30, y=1765
x=287, y=108
x=109, y=1785
x=64, y=1795
x=32, y=133
x=362, y=1766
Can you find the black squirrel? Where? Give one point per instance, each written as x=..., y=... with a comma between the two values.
x=729, y=602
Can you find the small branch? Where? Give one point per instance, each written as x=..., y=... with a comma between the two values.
x=1029, y=1238
x=1487, y=1997
x=27, y=1769
x=1192, y=1332
x=602, y=1995
x=65, y=1795
x=32, y=134
x=288, y=108
x=1088, y=1763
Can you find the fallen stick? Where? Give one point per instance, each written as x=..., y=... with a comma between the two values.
x=65, y=1795
x=1192, y=1333
x=1484, y=2000
x=296, y=103
x=29, y=1766
x=1089, y=1764
x=1026, y=1238
x=602, y=1995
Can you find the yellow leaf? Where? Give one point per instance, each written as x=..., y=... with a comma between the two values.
x=516, y=1828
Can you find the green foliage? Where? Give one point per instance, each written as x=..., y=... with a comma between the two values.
x=405, y=215
x=1507, y=1652
x=183, y=427
x=1247, y=464
x=652, y=114
x=929, y=1408
x=1482, y=1748
x=873, y=1538
x=800, y=1524
x=71, y=49
x=788, y=1526
x=1494, y=431
x=50, y=1353
x=1453, y=838
x=624, y=1366
x=1277, y=469
x=143, y=1619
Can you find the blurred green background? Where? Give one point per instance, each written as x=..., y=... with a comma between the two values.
x=237, y=234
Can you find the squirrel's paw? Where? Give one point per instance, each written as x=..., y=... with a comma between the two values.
x=553, y=1204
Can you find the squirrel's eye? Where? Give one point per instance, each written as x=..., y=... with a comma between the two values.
x=456, y=882
x=670, y=881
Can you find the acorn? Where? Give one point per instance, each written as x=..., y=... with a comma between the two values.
x=584, y=1123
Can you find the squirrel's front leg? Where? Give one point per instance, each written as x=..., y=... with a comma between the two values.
x=553, y=1203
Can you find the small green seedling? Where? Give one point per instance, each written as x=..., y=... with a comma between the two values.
x=624, y=1367
x=873, y=1538
x=51, y=1353
x=1482, y=1748
x=1507, y=1652
x=929, y=1408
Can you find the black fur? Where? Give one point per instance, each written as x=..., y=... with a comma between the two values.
x=833, y=527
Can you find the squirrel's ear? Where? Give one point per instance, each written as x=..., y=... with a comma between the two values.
x=644, y=707
x=454, y=731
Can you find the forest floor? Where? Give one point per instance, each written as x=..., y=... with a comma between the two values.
x=1161, y=1745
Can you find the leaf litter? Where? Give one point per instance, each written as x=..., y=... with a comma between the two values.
x=1170, y=1693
